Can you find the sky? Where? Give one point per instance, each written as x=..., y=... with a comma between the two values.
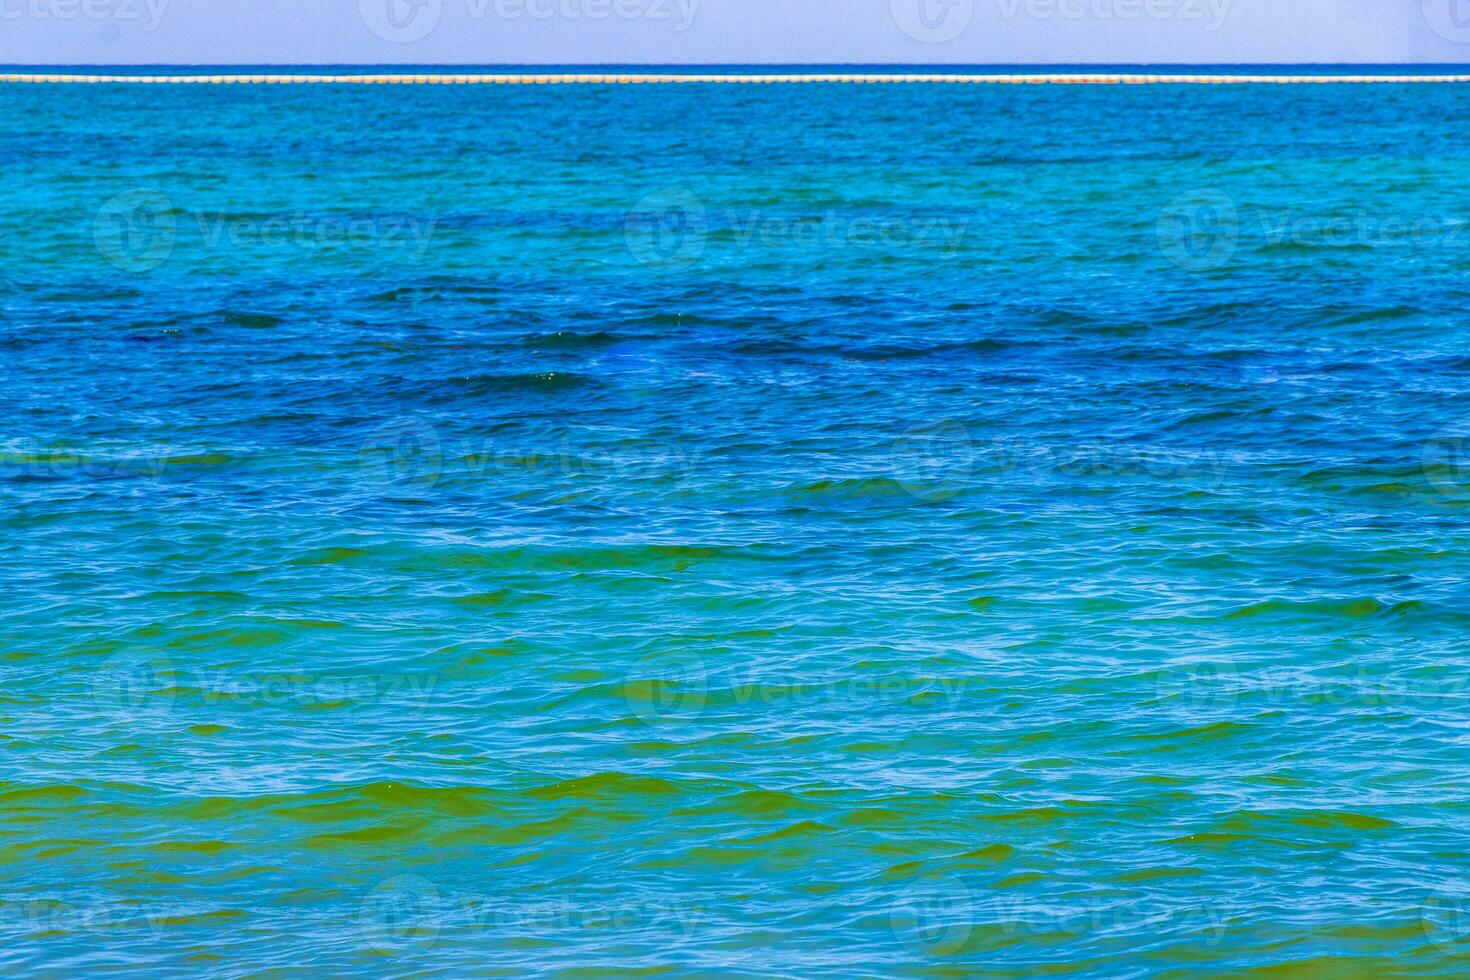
x=121, y=32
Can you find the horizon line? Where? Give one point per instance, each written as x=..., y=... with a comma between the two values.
x=288, y=67
x=624, y=78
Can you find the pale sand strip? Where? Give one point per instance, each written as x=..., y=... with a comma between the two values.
x=595, y=78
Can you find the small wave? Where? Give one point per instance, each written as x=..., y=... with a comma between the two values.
x=485, y=385
x=254, y=321
x=596, y=558
x=854, y=488
x=570, y=340
x=1365, y=608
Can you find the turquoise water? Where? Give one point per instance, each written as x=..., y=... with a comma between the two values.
x=820, y=531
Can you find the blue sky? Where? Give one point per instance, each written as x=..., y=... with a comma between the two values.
x=715, y=31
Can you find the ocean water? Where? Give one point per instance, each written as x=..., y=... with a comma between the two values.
x=735, y=531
